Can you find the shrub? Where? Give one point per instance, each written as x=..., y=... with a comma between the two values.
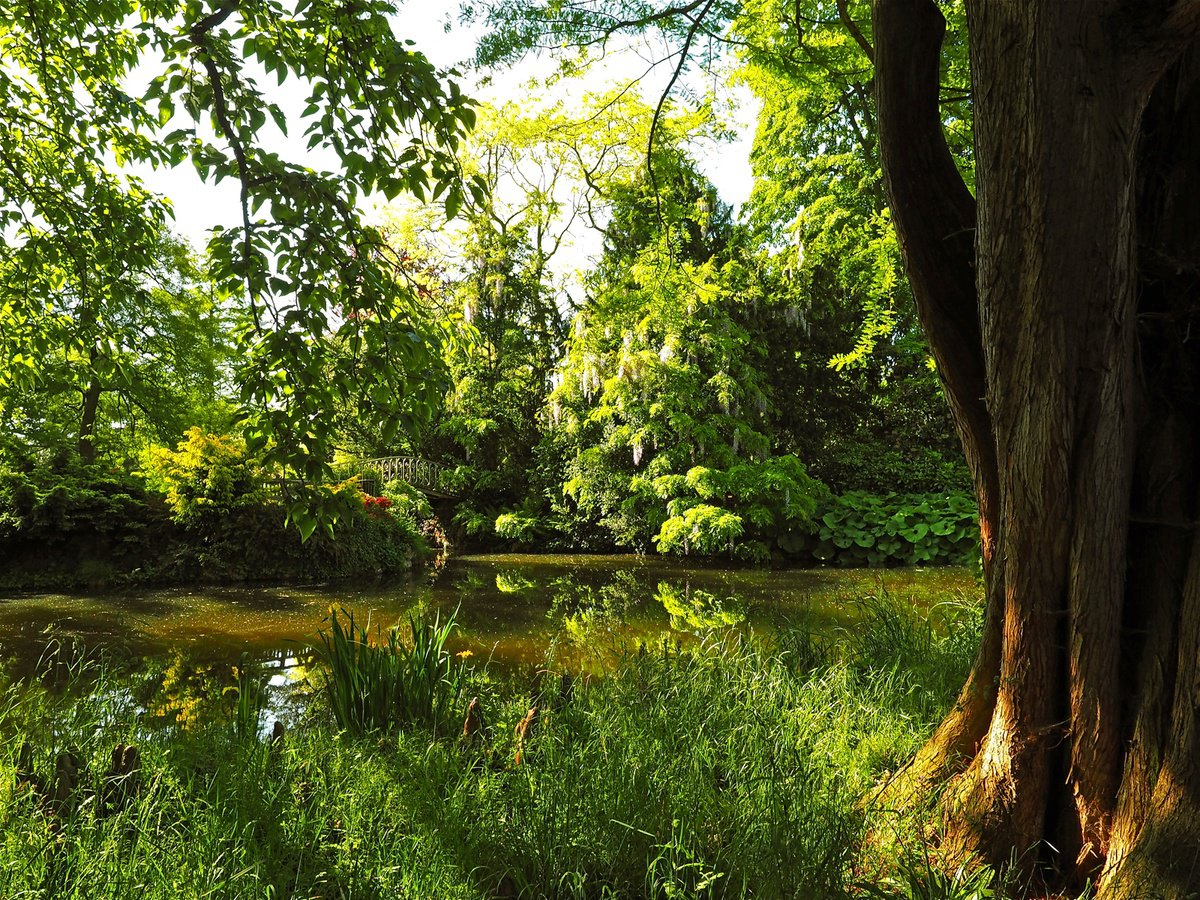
x=516, y=526
x=206, y=477
x=702, y=529
x=253, y=542
x=72, y=526
x=407, y=501
x=736, y=510
x=71, y=523
x=860, y=529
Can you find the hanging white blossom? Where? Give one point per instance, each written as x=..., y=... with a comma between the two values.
x=469, y=310
x=736, y=441
x=637, y=453
x=666, y=352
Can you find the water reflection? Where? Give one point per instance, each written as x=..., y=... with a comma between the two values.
x=516, y=613
x=698, y=610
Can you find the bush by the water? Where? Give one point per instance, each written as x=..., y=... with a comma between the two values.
x=736, y=770
x=202, y=512
x=861, y=529
x=62, y=523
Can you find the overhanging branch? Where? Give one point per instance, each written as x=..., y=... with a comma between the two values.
x=855, y=31
x=658, y=109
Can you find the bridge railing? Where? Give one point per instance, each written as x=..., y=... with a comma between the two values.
x=373, y=474
x=422, y=474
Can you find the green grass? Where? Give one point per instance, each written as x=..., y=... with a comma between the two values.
x=728, y=771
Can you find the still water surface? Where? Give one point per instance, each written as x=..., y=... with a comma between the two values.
x=515, y=612
x=512, y=609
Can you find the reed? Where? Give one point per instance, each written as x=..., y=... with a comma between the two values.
x=384, y=683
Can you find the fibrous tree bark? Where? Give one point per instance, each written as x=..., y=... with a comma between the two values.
x=1062, y=305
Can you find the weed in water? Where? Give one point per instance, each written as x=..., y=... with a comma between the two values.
x=384, y=684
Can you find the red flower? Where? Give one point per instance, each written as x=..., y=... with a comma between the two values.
x=376, y=503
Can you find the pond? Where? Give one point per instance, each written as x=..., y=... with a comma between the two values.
x=516, y=613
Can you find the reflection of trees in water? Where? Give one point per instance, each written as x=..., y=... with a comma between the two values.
x=510, y=583
x=693, y=609
x=181, y=689
x=597, y=624
x=469, y=582
x=610, y=601
x=603, y=614
x=190, y=690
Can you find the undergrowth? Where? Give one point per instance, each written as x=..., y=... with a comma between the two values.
x=732, y=770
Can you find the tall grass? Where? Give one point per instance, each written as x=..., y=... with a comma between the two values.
x=250, y=696
x=385, y=683
x=729, y=771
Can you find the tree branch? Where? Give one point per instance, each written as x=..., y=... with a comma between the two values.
x=934, y=215
x=855, y=31
x=652, y=18
x=1156, y=37
x=683, y=58
x=200, y=34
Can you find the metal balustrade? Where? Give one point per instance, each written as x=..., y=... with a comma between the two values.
x=373, y=474
x=422, y=474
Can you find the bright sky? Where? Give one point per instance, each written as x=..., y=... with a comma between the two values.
x=199, y=206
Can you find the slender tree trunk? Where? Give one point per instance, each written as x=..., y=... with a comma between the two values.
x=1073, y=394
x=87, y=421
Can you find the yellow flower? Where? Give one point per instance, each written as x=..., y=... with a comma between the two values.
x=463, y=654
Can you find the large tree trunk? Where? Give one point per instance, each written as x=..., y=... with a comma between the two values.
x=1062, y=337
